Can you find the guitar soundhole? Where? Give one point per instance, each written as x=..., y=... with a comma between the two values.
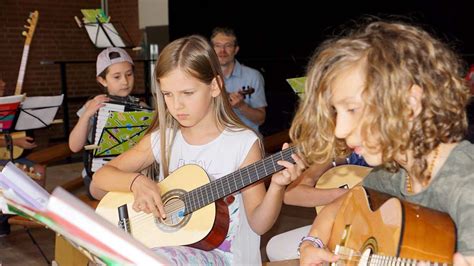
x=174, y=208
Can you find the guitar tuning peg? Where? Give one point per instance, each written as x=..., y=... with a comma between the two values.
x=28, y=20
x=26, y=26
x=24, y=33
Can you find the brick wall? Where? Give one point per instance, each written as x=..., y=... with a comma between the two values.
x=57, y=38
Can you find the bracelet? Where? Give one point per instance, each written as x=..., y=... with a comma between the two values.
x=315, y=241
x=135, y=178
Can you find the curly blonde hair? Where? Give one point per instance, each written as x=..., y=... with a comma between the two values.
x=394, y=56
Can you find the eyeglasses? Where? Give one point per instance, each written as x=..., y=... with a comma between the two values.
x=223, y=46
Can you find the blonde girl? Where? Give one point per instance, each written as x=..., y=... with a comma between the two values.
x=394, y=94
x=196, y=125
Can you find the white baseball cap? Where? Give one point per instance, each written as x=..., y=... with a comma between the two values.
x=108, y=57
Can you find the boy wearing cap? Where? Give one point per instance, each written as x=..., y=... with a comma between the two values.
x=114, y=72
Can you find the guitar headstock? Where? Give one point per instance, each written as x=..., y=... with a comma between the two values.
x=246, y=91
x=32, y=21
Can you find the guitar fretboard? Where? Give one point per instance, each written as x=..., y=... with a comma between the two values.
x=226, y=185
x=388, y=260
x=21, y=73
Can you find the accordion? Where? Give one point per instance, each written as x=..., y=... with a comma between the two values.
x=116, y=127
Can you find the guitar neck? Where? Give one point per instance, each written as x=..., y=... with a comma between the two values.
x=348, y=256
x=21, y=73
x=388, y=260
x=32, y=21
x=235, y=181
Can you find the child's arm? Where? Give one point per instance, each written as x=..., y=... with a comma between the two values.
x=123, y=174
x=322, y=228
x=460, y=260
x=78, y=136
x=23, y=142
x=302, y=191
x=262, y=208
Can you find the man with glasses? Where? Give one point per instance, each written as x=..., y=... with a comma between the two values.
x=245, y=85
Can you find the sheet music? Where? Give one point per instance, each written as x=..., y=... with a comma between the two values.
x=38, y=112
x=104, y=234
x=42, y=101
x=102, y=117
x=11, y=99
x=98, y=37
x=68, y=216
x=26, y=191
x=297, y=84
x=122, y=131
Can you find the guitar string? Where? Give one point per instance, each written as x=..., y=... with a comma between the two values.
x=375, y=259
x=175, y=207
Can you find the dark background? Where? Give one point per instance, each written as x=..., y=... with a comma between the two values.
x=277, y=37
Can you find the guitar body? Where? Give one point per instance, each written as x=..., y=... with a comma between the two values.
x=375, y=223
x=196, y=213
x=17, y=151
x=205, y=228
x=343, y=176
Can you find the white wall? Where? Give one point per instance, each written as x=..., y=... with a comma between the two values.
x=152, y=13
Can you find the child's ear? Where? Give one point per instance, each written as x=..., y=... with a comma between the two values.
x=414, y=99
x=215, y=88
x=101, y=80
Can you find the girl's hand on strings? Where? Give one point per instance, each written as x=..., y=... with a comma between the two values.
x=311, y=255
x=292, y=171
x=147, y=197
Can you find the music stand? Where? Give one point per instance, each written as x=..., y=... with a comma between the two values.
x=104, y=34
x=19, y=115
x=122, y=131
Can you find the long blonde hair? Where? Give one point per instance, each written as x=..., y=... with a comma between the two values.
x=193, y=55
x=394, y=57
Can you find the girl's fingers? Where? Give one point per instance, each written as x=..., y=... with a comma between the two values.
x=136, y=206
x=159, y=206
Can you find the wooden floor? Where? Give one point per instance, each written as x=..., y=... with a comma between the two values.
x=18, y=249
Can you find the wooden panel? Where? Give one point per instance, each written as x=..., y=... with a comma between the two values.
x=274, y=142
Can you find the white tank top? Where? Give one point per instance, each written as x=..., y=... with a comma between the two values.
x=220, y=157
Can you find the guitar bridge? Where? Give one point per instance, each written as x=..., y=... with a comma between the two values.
x=124, y=221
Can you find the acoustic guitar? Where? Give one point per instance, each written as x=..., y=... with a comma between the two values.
x=343, y=176
x=35, y=172
x=32, y=21
x=378, y=229
x=196, y=213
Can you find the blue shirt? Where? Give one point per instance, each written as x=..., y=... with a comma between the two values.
x=356, y=159
x=243, y=76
